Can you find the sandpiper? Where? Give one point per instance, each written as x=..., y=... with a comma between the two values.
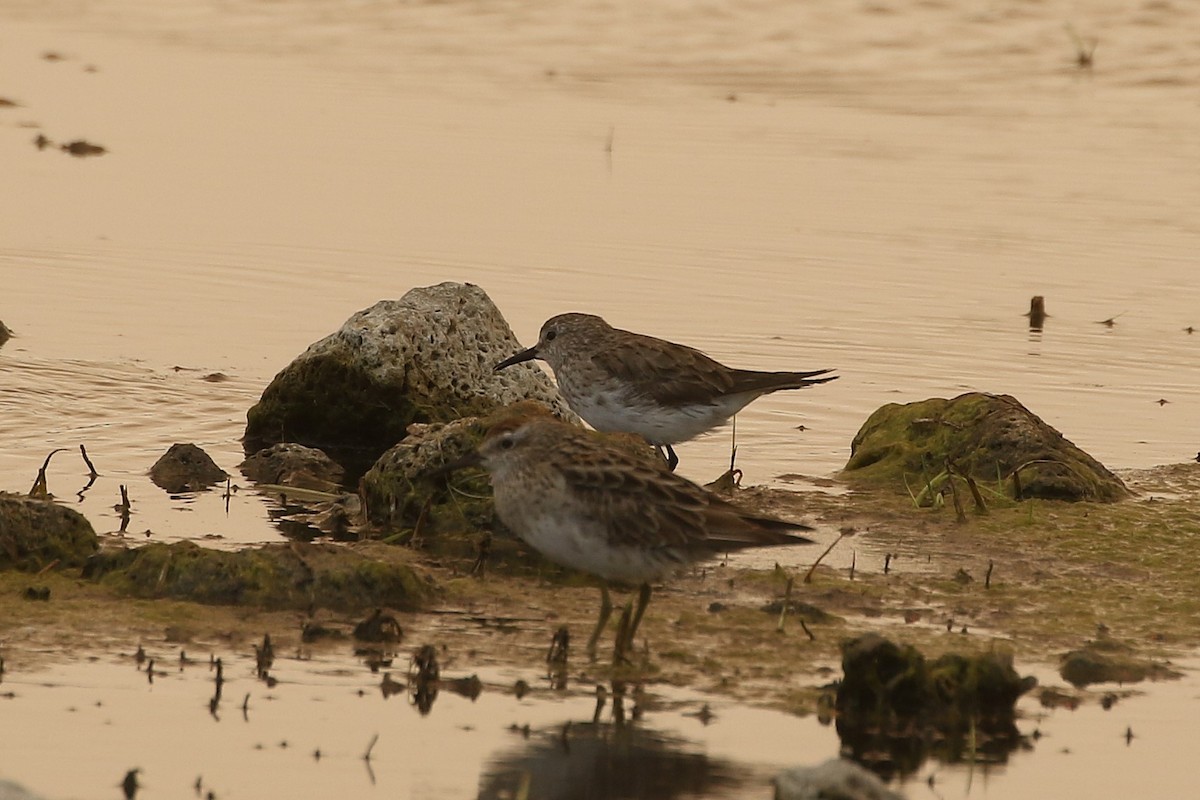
x=665, y=392
x=587, y=504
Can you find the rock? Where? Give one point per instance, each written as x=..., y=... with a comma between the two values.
x=398, y=490
x=984, y=436
x=891, y=701
x=836, y=779
x=881, y=675
x=1104, y=663
x=346, y=578
x=425, y=358
x=186, y=468
x=290, y=464
x=37, y=533
x=5, y=334
x=407, y=494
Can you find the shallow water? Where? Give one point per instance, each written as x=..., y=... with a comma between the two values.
x=877, y=187
x=306, y=737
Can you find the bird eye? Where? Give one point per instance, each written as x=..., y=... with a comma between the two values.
x=550, y=335
x=506, y=443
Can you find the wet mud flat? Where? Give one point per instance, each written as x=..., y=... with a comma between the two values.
x=721, y=669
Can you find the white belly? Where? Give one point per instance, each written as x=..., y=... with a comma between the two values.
x=571, y=537
x=613, y=411
x=584, y=547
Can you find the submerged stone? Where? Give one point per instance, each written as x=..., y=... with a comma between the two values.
x=290, y=464
x=425, y=358
x=35, y=534
x=275, y=576
x=988, y=437
x=186, y=468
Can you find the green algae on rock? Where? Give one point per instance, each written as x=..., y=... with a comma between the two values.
x=409, y=495
x=274, y=576
x=424, y=358
x=988, y=437
x=400, y=492
x=35, y=534
x=891, y=700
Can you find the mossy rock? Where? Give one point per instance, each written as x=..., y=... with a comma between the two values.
x=37, y=533
x=404, y=492
x=985, y=436
x=892, y=700
x=409, y=495
x=276, y=576
x=410, y=498
x=425, y=358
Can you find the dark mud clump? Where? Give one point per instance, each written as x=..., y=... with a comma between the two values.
x=1109, y=662
x=895, y=708
x=35, y=534
x=344, y=578
x=186, y=468
x=987, y=437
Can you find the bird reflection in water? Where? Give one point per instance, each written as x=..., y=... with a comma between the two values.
x=617, y=758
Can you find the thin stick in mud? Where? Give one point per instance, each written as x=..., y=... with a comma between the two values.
x=91, y=467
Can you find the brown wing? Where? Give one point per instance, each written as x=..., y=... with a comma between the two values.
x=681, y=374
x=646, y=506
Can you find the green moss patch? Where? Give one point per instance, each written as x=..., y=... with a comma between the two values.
x=337, y=577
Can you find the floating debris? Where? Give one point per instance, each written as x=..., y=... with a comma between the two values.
x=81, y=148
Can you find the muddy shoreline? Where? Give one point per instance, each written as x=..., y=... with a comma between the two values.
x=1039, y=578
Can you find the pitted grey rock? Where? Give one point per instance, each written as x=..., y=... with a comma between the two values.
x=427, y=357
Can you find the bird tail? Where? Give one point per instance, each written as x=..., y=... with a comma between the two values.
x=763, y=382
x=755, y=531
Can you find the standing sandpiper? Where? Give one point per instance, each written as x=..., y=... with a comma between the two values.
x=620, y=381
x=589, y=505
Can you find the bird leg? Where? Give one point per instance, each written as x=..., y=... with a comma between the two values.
x=631, y=618
x=668, y=453
x=643, y=601
x=622, y=641
x=605, y=612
